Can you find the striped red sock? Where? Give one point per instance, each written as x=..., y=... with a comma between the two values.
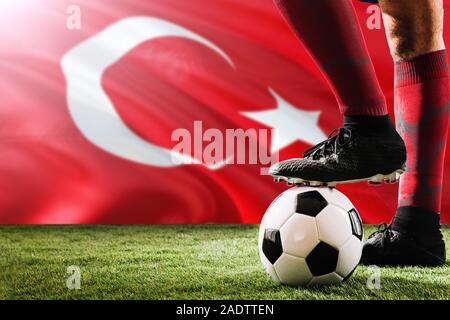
x=329, y=29
x=422, y=105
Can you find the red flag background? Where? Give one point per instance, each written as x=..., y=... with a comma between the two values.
x=50, y=172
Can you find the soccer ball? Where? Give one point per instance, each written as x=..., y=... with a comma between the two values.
x=310, y=237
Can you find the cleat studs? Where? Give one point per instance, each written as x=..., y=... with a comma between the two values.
x=298, y=182
x=376, y=180
x=393, y=178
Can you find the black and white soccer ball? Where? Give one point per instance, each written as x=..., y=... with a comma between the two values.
x=310, y=236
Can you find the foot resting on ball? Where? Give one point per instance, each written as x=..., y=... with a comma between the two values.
x=414, y=238
x=365, y=149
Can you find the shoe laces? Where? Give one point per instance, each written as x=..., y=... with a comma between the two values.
x=385, y=230
x=337, y=139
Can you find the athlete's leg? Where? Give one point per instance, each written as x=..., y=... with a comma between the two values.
x=414, y=31
x=329, y=29
x=413, y=28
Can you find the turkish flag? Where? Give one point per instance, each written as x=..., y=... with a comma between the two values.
x=91, y=96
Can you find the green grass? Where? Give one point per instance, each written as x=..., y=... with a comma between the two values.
x=175, y=262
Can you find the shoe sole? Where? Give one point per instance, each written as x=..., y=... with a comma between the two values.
x=377, y=179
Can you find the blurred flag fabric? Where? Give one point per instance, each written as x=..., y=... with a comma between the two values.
x=87, y=114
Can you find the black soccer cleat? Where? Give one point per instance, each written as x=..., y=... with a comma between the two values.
x=387, y=247
x=346, y=156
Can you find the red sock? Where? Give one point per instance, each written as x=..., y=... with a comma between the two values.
x=330, y=31
x=422, y=108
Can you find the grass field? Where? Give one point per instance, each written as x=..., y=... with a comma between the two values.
x=175, y=262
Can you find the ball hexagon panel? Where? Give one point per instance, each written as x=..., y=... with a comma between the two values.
x=271, y=245
x=310, y=203
x=299, y=235
x=327, y=279
x=322, y=260
x=292, y=270
x=349, y=256
x=276, y=215
x=334, y=226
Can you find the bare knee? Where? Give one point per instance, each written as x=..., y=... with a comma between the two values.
x=413, y=28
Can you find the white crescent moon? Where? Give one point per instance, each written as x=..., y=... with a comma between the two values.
x=90, y=107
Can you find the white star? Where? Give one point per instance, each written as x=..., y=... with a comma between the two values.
x=289, y=124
